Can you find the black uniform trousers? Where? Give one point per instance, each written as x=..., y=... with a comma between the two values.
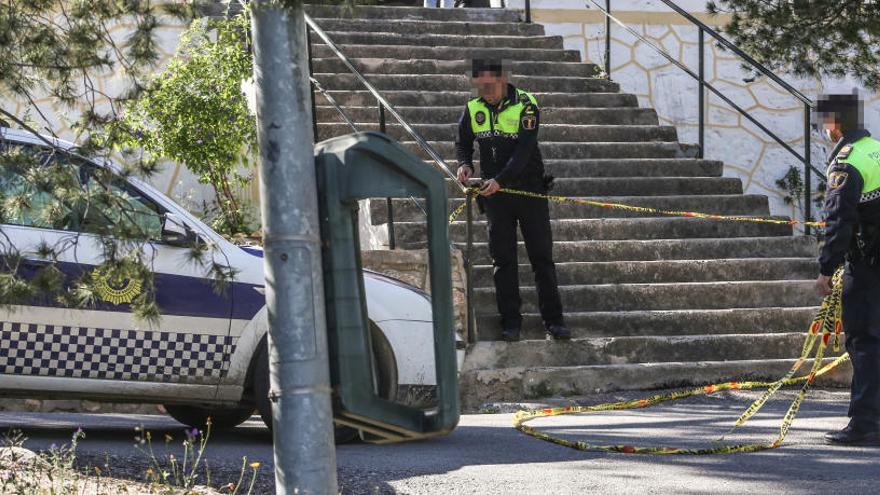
x=504, y=212
x=861, y=322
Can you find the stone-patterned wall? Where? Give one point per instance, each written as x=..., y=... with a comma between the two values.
x=747, y=152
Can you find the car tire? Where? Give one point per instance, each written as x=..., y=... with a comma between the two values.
x=386, y=375
x=221, y=418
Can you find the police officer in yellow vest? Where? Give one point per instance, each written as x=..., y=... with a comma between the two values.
x=504, y=121
x=852, y=234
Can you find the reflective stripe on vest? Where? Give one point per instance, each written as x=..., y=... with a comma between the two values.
x=865, y=157
x=508, y=120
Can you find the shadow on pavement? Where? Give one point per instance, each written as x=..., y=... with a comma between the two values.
x=802, y=465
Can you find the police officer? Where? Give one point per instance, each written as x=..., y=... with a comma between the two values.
x=852, y=231
x=504, y=121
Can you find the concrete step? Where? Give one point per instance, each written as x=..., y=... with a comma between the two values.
x=374, y=65
x=369, y=12
x=616, y=350
x=732, y=204
x=407, y=52
x=451, y=114
x=690, y=295
x=411, y=235
x=647, y=272
x=515, y=384
x=660, y=322
x=630, y=167
x=548, y=133
x=427, y=38
x=403, y=98
x=647, y=186
x=555, y=150
x=671, y=249
x=407, y=26
x=634, y=167
x=448, y=82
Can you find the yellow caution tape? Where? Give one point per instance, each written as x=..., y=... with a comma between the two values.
x=825, y=324
x=473, y=191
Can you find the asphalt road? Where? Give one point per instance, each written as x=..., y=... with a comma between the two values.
x=485, y=455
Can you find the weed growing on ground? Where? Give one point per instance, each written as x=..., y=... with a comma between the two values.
x=183, y=473
x=55, y=471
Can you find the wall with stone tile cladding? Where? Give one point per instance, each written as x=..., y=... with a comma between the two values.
x=747, y=152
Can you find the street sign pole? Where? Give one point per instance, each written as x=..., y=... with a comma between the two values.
x=305, y=459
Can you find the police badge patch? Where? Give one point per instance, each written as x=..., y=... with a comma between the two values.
x=529, y=122
x=837, y=179
x=480, y=117
x=113, y=288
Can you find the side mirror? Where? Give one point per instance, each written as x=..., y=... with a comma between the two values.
x=176, y=233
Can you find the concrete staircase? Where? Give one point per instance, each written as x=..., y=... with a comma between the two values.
x=652, y=301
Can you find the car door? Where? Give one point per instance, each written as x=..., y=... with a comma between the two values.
x=102, y=350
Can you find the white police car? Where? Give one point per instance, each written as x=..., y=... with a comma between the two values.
x=207, y=356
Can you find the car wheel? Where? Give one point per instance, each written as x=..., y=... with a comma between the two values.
x=221, y=418
x=385, y=368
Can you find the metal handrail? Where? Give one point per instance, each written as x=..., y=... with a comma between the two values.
x=348, y=120
x=384, y=105
x=804, y=158
x=334, y=103
x=735, y=49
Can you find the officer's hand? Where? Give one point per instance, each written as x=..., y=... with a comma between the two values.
x=464, y=173
x=823, y=285
x=490, y=187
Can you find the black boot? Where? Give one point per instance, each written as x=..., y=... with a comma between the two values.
x=510, y=334
x=856, y=433
x=559, y=332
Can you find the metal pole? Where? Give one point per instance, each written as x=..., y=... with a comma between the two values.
x=469, y=269
x=389, y=212
x=808, y=196
x=312, y=87
x=702, y=95
x=528, y=11
x=608, y=40
x=305, y=459
x=389, y=203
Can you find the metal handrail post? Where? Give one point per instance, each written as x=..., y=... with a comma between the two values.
x=312, y=86
x=702, y=95
x=608, y=40
x=808, y=193
x=469, y=270
x=528, y=11
x=389, y=202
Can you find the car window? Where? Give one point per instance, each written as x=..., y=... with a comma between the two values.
x=26, y=193
x=118, y=204
x=113, y=203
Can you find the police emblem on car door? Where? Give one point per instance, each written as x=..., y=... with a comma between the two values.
x=42, y=342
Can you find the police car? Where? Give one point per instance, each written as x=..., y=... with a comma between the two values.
x=207, y=355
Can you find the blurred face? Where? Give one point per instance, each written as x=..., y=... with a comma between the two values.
x=491, y=86
x=832, y=128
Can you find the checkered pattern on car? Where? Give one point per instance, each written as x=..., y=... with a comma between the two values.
x=112, y=354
